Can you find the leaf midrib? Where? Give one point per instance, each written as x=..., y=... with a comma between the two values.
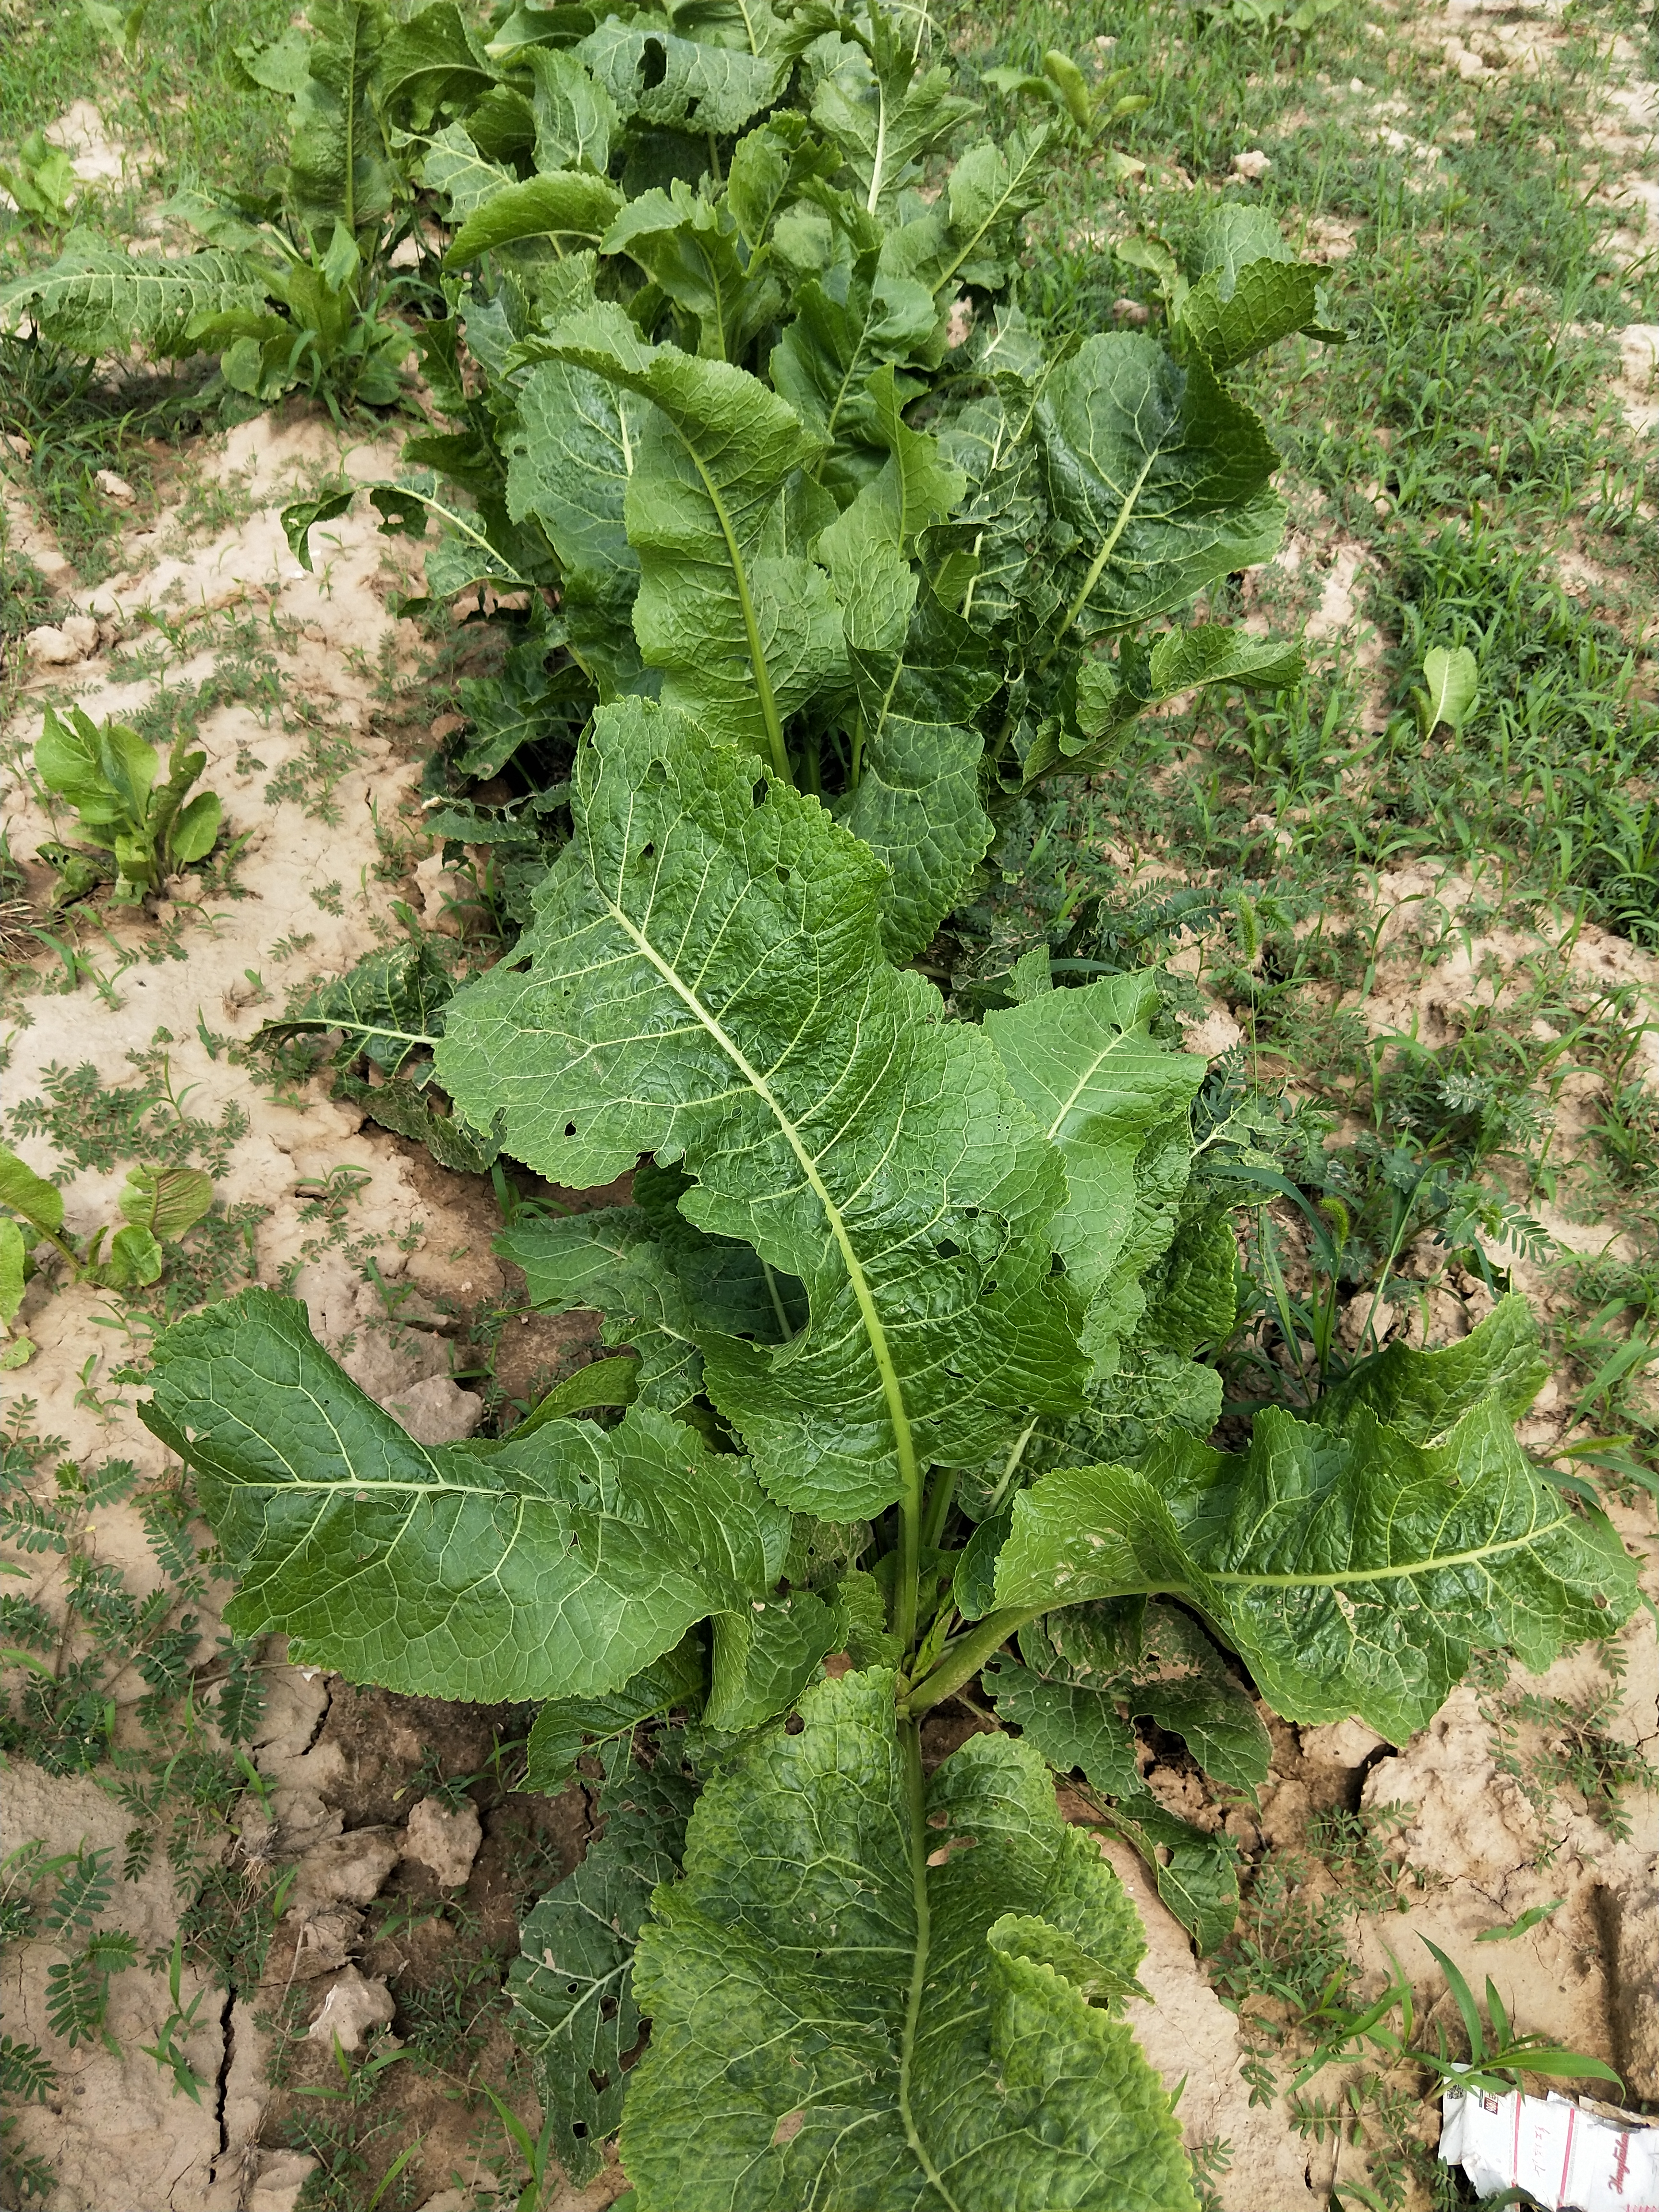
x=1402, y=1572
x=892, y=1388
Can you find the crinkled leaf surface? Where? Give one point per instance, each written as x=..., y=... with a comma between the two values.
x=1424, y=1395
x=570, y=202
x=681, y=83
x=1158, y=474
x=1155, y=1660
x=743, y=628
x=1353, y=1571
x=566, y=1727
x=95, y=299
x=778, y=1975
x=706, y=981
x=554, y=1567
x=884, y=113
x=388, y=1006
x=1249, y=290
x=919, y=678
x=1099, y=1085
x=573, y=451
x=1076, y=1727
x=572, y=1984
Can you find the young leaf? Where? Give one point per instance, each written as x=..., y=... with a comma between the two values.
x=135, y=1257
x=847, y=326
x=1195, y=1874
x=1159, y=476
x=41, y=1203
x=689, y=249
x=1166, y=1669
x=1249, y=290
x=557, y=1567
x=705, y=981
x=920, y=677
x=1113, y=695
x=1353, y=1571
x=920, y=683
x=849, y=2005
x=13, y=1254
x=743, y=633
x=195, y=828
x=764, y=1657
x=1452, y=676
x=167, y=1200
x=454, y=168
x=882, y=115
x=574, y=2009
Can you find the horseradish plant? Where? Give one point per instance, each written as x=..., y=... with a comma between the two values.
x=903, y=1309
x=878, y=1266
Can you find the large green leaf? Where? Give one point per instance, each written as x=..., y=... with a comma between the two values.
x=1101, y=1086
x=572, y=1984
x=572, y=454
x=569, y=203
x=919, y=678
x=337, y=161
x=885, y=111
x=706, y=981
x=1424, y=1395
x=434, y=60
x=680, y=82
x=1354, y=1571
x=94, y=298
x=850, y=2007
x=556, y=1566
x=1250, y=290
x=575, y=118
x=1159, y=474
x=690, y=248
x=743, y=629
x=388, y=1006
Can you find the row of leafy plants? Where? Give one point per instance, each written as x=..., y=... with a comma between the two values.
x=817, y=557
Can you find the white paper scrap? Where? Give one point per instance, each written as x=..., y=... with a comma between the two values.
x=1566, y=2153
